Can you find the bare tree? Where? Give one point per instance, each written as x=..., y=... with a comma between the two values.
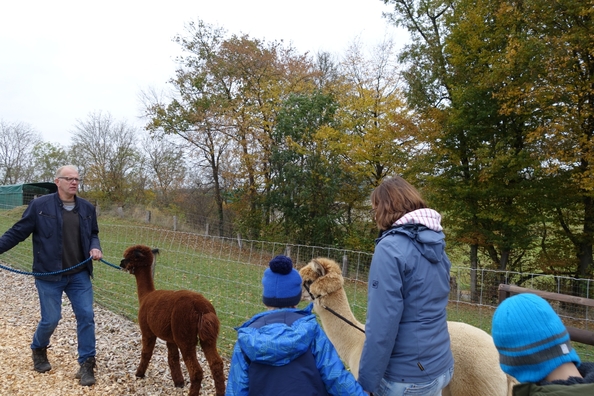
x=165, y=163
x=198, y=127
x=106, y=154
x=16, y=152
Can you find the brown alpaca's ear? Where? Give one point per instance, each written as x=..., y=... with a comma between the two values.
x=142, y=252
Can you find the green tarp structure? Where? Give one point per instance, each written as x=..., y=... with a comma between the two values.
x=14, y=195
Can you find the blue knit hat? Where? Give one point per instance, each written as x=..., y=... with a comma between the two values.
x=282, y=283
x=531, y=338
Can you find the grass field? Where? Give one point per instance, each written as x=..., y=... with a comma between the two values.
x=227, y=271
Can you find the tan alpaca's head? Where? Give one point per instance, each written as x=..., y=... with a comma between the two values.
x=322, y=276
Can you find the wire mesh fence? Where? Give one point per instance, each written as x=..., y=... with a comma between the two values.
x=228, y=272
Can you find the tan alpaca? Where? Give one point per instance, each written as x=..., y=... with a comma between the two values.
x=476, y=360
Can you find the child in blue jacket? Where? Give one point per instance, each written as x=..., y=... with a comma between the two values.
x=535, y=348
x=284, y=351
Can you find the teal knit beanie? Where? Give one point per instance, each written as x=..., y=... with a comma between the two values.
x=282, y=283
x=530, y=337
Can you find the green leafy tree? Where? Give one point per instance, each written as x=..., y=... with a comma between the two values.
x=499, y=167
x=228, y=93
x=546, y=71
x=306, y=176
x=477, y=167
x=48, y=157
x=511, y=84
x=197, y=111
x=377, y=135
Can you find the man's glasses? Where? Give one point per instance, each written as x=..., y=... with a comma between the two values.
x=70, y=179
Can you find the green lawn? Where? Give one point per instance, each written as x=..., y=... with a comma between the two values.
x=224, y=270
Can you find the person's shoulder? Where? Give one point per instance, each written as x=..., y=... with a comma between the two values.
x=83, y=202
x=290, y=315
x=44, y=198
x=43, y=201
x=405, y=231
x=393, y=241
x=253, y=319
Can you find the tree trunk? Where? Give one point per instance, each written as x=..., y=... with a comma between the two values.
x=473, y=270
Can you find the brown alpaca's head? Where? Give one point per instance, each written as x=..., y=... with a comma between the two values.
x=138, y=256
x=321, y=276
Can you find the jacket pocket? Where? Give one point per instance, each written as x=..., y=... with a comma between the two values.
x=48, y=224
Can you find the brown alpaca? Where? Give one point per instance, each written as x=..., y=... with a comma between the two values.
x=181, y=318
x=476, y=360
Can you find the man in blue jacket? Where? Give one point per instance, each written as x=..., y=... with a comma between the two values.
x=65, y=234
x=284, y=351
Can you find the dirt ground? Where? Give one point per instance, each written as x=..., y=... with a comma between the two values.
x=118, y=351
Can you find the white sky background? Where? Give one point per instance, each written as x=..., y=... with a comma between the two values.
x=61, y=60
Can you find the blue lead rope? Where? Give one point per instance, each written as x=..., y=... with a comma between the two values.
x=55, y=272
x=112, y=265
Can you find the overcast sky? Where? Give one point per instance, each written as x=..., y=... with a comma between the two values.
x=61, y=60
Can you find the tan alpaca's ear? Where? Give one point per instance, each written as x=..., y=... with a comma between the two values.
x=329, y=277
x=318, y=268
x=327, y=284
x=312, y=271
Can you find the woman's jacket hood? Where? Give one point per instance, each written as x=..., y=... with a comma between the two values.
x=424, y=230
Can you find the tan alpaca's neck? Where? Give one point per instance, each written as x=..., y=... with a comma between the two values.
x=347, y=340
x=339, y=303
x=335, y=327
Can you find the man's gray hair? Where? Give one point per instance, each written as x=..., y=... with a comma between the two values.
x=61, y=169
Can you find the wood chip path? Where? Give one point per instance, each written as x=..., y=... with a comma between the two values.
x=118, y=351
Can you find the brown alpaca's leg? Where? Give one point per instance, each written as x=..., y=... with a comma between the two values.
x=174, y=366
x=216, y=366
x=148, y=345
x=194, y=370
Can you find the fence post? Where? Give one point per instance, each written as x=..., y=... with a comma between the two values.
x=174, y=223
x=288, y=251
x=206, y=230
x=148, y=216
x=239, y=241
x=120, y=211
x=345, y=266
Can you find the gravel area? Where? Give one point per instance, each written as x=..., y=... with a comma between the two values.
x=118, y=351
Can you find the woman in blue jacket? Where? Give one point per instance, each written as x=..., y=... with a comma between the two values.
x=407, y=344
x=284, y=351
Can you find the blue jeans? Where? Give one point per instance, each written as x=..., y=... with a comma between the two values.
x=79, y=289
x=431, y=388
